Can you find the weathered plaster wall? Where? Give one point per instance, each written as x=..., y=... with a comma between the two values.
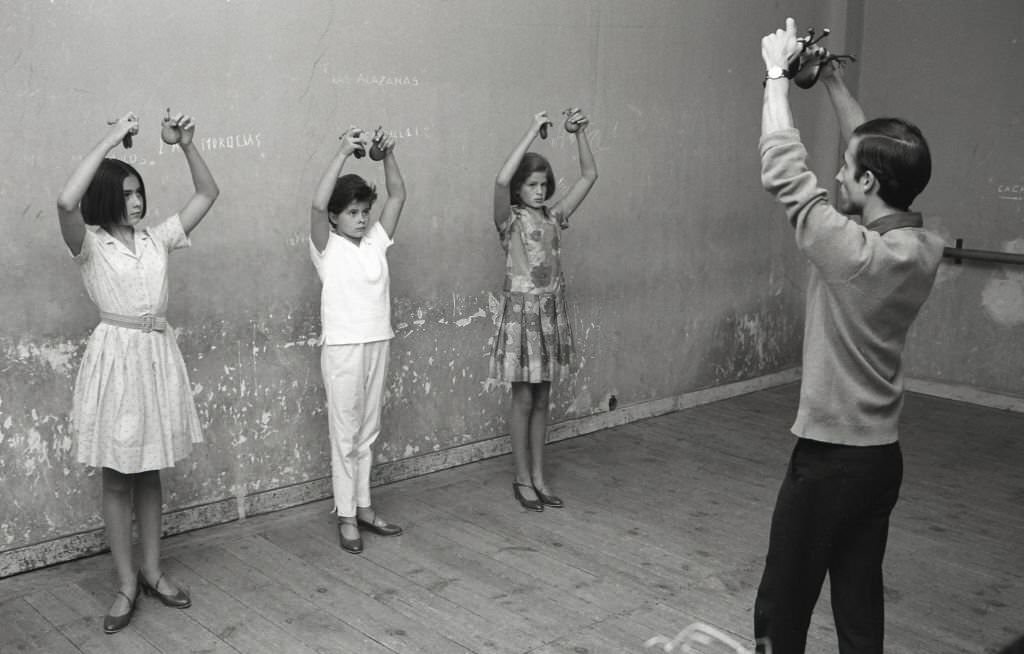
x=954, y=68
x=681, y=271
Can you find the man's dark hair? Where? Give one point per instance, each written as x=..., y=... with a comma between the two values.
x=897, y=155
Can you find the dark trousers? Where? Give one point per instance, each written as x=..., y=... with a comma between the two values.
x=831, y=516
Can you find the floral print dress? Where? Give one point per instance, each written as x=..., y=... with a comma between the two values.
x=534, y=340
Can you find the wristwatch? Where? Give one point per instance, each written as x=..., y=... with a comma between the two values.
x=776, y=72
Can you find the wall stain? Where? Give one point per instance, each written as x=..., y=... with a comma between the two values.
x=258, y=390
x=1002, y=298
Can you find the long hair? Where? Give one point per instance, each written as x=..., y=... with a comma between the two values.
x=531, y=163
x=103, y=202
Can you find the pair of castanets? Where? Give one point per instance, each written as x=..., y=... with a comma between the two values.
x=571, y=125
x=805, y=67
x=376, y=152
x=170, y=130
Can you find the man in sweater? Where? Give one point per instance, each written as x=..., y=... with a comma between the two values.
x=869, y=275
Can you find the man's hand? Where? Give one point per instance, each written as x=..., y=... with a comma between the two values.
x=781, y=46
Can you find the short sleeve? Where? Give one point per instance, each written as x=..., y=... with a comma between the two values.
x=378, y=237
x=505, y=228
x=170, y=234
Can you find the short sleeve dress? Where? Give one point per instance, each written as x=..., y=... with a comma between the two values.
x=534, y=341
x=133, y=409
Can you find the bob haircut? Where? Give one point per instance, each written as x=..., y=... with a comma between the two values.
x=531, y=163
x=348, y=189
x=896, y=152
x=103, y=202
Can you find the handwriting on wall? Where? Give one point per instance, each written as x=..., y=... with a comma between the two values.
x=365, y=79
x=221, y=142
x=1010, y=192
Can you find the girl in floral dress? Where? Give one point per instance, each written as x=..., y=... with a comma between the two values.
x=534, y=342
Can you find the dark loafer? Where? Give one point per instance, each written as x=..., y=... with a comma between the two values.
x=113, y=624
x=550, y=500
x=379, y=526
x=351, y=545
x=179, y=600
x=533, y=505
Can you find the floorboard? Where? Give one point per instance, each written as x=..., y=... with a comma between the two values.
x=666, y=523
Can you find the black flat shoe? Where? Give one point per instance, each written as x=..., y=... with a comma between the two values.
x=379, y=526
x=351, y=545
x=113, y=624
x=533, y=505
x=179, y=600
x=550, y=500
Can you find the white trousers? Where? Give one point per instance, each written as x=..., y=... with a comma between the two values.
x=354, y=377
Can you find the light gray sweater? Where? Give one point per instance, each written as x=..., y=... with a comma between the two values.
x=866, y=287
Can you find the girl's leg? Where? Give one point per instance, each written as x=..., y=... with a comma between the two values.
x=376, y=375
x=375, y=372
x=541, y=395
x=341, y=367
x=117, y=517
x=148, y=504
x=149, y=500
x=519, y=430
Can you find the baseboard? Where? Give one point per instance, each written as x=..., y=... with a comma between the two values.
x=966, y=394
x=66, y=548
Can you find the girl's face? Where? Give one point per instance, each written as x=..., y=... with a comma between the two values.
x=534, y=191
x=353, y=220
x=134, y=203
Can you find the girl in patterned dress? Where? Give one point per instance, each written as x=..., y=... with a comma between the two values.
x=133, y=412
x=534, y=341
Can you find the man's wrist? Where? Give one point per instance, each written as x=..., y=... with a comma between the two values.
x=774, y=74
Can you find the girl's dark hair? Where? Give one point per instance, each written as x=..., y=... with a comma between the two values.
x=103, y=202
x=348, y=189
x=897, y=154
x=531, y=163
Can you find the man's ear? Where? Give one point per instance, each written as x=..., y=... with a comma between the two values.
x=868, y=182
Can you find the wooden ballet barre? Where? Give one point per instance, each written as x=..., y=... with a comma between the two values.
x=958, y=254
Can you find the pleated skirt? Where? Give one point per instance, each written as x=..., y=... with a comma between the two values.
x=133, y=409
x=534, y=341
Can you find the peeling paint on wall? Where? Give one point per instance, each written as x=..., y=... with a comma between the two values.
x=1003, y=295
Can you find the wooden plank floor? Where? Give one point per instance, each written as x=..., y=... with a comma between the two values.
x=666, y=523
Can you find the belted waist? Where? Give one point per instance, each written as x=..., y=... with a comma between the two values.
x=146, y=323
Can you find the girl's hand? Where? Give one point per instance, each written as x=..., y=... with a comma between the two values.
x=386, y=142
x=185, y=126
x=540, y=120
x=575, y=120
x=126, y=124
x=353, y=139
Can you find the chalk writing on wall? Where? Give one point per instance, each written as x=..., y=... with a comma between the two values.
x=365, y=79
x=221, y=142
x=1010, y=192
